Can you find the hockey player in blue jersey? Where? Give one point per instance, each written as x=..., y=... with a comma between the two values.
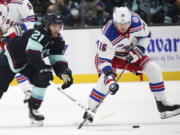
x=122, y=44
x=24, y=54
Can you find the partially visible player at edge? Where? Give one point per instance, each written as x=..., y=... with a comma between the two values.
x=36, y=44
x=16, y=17
x=123, y=41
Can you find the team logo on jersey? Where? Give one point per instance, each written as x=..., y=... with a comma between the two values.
x=135, y=19
x=46, y=52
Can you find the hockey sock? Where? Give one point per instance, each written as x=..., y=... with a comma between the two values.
x=95, y=98
x=23, y=83
x=158, y=90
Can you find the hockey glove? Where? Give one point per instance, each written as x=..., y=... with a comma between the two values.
x=45, y=75
x=66, y=76
x=113, y=87
x=134, y=55
x=110, y=82
x=12, y=32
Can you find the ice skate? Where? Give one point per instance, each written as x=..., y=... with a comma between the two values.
x=88, y=118
x=27, y=96
x=166, y=110
x=36, y=118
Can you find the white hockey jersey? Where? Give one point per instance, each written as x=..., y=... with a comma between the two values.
x=112, y=43
x=16, y=12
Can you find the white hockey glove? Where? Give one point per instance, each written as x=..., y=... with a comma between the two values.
x=12, y=32
x=134, y=55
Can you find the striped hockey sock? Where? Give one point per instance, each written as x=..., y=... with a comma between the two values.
x=158, y=90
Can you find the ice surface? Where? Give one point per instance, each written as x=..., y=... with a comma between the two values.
x=133, y=105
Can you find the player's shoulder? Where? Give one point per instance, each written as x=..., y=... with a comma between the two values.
x=21, y=3
x=107, y=27
x=38, y=34
x=41, y=31
x=135, y=21
x=110, y=31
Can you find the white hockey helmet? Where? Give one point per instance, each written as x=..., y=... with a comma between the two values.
x=122, y=15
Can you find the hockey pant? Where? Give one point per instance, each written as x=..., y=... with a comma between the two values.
x=144, y=65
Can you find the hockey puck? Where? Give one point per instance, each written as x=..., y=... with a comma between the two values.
x=136, y=126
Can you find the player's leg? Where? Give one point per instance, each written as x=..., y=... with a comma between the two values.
x=24, y=85
x=157, y=87
x=97, y=95
x=99, y=92
x=38, y=93
x=156, y=83
x=6, y=75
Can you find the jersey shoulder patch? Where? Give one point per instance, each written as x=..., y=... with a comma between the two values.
x=136, y=24
x=135, y=21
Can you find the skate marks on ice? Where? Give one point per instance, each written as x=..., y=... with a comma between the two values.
x=29, y=126
x=73, y=125
x=95, y=126
x=146, y=128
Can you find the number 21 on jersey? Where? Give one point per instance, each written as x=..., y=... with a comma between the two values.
x=37, y=36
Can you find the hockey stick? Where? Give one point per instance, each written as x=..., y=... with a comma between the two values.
x=75, y=101
x=97, y=106
x=120, y=75
x=122, y=72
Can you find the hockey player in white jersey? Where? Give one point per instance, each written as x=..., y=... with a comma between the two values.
x=16, y=17
x=122, y=45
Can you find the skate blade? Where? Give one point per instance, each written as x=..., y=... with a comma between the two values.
x=167, y=115
x=84, y=123
x=36, y=123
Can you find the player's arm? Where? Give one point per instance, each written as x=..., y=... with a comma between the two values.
x=143, y=36
x=106, y=53
x=34, y=50
x=26, y=21
x=34, y=58
x=139, y=42
x=60, y=64
x=27, y=16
